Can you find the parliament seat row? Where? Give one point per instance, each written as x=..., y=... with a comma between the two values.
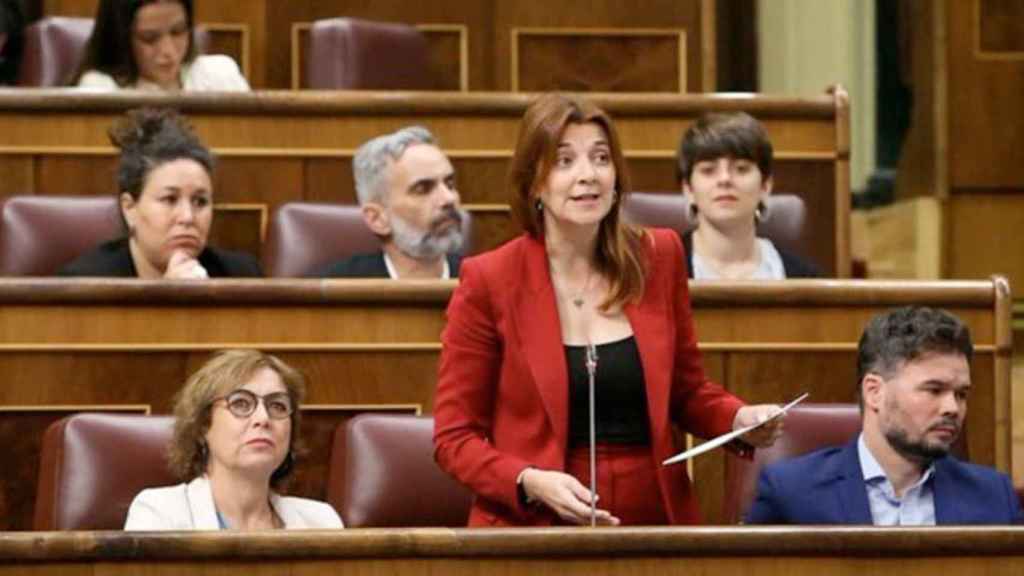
x=344, y=53
x=40, y=234
x=381, y=470
x=93, y=465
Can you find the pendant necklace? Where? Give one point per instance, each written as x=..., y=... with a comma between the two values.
x=577, y=299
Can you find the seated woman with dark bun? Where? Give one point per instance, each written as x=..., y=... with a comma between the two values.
x=725, y=170
x=149, y=45
x=236, y=425
x=166, y=184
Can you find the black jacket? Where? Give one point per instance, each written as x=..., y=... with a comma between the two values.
x=372, y=266
x=114, y=259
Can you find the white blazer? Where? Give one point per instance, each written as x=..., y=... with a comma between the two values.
x=190, y=507
x=216, y=73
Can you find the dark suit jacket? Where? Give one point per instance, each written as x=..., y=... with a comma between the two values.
x=827, y=487
x=114, y=259
x=372, y=266
x=794, y=266
x=502, y=400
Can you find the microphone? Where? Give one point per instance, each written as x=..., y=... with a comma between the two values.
x=591, y=365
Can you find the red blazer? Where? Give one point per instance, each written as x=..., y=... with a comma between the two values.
x=502, y=400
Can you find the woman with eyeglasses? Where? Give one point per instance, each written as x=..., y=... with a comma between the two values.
x=235, y=436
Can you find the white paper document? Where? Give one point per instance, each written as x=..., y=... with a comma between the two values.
x=726, y=438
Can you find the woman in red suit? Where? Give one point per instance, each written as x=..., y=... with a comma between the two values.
x=511, y=411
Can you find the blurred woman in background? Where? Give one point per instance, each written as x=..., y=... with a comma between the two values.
x=150, y=45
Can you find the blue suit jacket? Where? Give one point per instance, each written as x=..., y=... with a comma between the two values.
x=827, y=487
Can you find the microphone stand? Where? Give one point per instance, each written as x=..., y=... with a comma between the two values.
x=591, y=371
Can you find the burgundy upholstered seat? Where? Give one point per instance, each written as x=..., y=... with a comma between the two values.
x=354, y=54
x=93, y=465
x=53, y=50
x=383, y=474
x=304, y=237
x=39, y=234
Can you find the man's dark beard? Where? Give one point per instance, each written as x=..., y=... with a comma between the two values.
x=917, y=451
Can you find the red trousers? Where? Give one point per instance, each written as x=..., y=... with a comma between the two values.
x=627, y=483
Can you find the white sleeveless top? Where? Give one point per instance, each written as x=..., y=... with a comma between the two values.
x=770, y=268
x=213, y=73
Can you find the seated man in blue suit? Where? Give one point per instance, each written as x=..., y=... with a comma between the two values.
x=406, y=188
x=913, y=366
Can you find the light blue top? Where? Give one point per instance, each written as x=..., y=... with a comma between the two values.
x=915, y=508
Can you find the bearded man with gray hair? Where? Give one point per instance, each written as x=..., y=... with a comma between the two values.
x=406, y=188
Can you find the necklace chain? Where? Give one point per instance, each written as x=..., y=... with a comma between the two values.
x=578, y=299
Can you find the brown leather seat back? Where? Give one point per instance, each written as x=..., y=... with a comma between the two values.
x=354, y=54
x=304, y=237
x=783, y=223
x=383, y=474
x=808, y=427
x=53, y=50
x=39, y=234
x=93, y=465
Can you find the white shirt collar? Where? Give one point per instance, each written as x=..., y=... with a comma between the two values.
x=446, y=272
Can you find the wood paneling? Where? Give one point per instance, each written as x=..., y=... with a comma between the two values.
x=1000, y=25
x=986, y=137
x=16, y=175
x=280, y=147
x=366, y=344
x=598, y=60
x=775, y=551
x=673, y=14
x=983, y=236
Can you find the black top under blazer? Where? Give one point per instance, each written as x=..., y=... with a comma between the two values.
x=114, y=259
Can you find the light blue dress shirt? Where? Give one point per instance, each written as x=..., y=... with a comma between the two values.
x=915, y=508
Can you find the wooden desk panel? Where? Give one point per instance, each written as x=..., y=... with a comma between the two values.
x=563, y=551
x=370, y=345
x=276, y=147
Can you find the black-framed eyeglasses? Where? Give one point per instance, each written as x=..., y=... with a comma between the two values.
x=242, y=403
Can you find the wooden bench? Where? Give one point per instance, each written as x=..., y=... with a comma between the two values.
x=772, y=551
x=68, y=346
x=276, y=147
